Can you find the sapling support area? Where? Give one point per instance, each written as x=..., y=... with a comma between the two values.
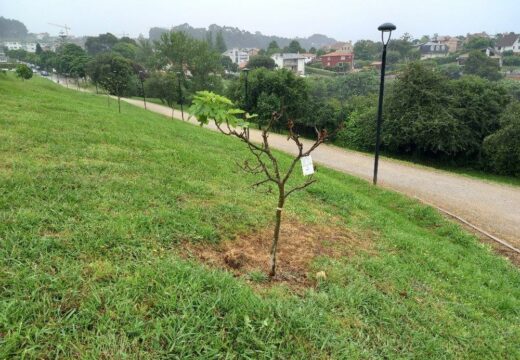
x=233, y=122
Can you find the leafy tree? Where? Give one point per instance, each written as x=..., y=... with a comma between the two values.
x=477, y=104
x=209, y=39
x=175, y=48
x=294, y=47
x=452, y=71
x=481, y=65
x=418, y=117
x=100, y=44
x=113, y=73
x=393, y=57
x=312, y=50
x=163, y=86
x=228, y=64
x=512, y=87
x=288, y=89
x=24, y=72
x=511, y=60
x=367, y=50
x=259, y=61
x=126, y=50
x=181, y=53
x=273, y=45
x=144, y=54
x=39, y=49
x=207, y=106
x=478, y=43
x=71, y=60
x=359, y=131
x=220, y=44
x=502, y=149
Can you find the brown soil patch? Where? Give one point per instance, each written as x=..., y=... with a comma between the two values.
x=299, y=245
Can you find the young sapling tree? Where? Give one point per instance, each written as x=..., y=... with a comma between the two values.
x=232, y=121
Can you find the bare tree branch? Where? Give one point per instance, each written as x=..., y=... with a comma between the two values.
x=301, y=187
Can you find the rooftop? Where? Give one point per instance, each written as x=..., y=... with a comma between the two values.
x=508, y=40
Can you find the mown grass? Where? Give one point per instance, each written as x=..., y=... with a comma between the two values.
x=93, y=205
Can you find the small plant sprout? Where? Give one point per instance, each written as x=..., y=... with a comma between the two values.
x=232, y=121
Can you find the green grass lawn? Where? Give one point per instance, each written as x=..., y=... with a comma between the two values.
x=94, y=206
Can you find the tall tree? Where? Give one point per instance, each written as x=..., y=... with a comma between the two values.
x=113, y=72
x=220, y=44
x=101, y=43
x=367, y=50
x=294, y=47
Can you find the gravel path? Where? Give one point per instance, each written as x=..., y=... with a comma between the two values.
x=493, y=207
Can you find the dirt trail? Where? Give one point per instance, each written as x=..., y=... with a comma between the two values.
x=493, y=207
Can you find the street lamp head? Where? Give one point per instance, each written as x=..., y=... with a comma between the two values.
x=386, y=28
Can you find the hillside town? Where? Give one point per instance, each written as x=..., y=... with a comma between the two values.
x=339, y=57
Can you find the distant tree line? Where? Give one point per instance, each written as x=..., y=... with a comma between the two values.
x=12, y=29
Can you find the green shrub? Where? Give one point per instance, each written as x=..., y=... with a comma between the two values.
x=502, y=149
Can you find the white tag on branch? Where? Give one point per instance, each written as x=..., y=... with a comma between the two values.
x=307, y=166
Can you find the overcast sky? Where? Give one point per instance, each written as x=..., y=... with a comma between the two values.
x=341, y=19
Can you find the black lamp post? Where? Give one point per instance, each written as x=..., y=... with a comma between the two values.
x=385, y=28
x=181, y=100
x=141, y=78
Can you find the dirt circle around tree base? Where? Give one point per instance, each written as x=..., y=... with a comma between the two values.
x=247, y=255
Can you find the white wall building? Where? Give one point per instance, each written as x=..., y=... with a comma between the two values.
x=16, y=45
x=293, y=62
x=238, y=56
x=509, y=42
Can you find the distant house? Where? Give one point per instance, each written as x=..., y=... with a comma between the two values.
x=340, y=46
x=509, y=42
x=433, y=49
x=451, y=42
x=293, y=62
x=237, y=56
x=338, y=58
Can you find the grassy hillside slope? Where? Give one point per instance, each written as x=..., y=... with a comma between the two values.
x=94, y=206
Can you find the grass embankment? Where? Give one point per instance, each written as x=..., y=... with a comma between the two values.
x=93, y=208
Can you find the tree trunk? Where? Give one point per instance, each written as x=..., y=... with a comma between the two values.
x=274, y=246
x=119, y=103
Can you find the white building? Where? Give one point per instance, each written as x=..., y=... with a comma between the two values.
x=16, y=45
x=509, y=42
x=238, y=56
x=3, y=58
x=293, y=62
